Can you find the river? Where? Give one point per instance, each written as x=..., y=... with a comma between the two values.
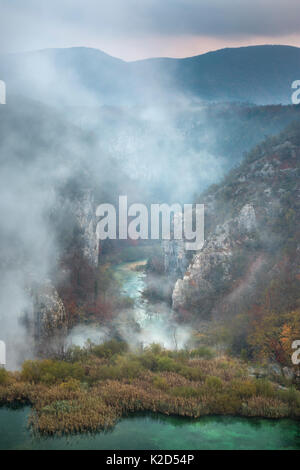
x=156, y=321
x=143, y=432
x=150, y=431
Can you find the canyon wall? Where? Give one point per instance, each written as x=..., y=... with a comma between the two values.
x=252, y=233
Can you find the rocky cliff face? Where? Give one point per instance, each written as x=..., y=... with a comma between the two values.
x=175, y=258
x=47, y=320
x=213, y=267
x=85, y=212
x=252, y=226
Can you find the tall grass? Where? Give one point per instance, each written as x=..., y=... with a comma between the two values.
x=95, y=387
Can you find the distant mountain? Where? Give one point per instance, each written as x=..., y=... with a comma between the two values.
x=83, y=76
x=75, y=76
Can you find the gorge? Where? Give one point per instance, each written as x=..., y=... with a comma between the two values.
x=99, y=331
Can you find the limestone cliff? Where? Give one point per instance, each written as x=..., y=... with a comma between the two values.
x=85, y=212
x=77, y=241
x=175, y=258
x=47, y=320
x=252, y=228
x=213, y=267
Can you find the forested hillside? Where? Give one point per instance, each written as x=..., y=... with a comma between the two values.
x=247, y=276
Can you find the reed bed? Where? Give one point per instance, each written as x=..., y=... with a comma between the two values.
x=91, y=390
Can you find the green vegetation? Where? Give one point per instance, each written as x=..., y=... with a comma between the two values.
x=96, y=386
x=255, y=291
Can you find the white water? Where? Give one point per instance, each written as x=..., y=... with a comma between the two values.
x=143, y=324
x=156, y=321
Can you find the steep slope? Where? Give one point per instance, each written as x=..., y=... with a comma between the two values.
x=252, y=237
x=48, y=249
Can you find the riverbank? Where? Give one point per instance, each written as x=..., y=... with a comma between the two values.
x=95, y=387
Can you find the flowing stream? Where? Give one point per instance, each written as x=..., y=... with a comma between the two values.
x=150, y=431
x=156, y=320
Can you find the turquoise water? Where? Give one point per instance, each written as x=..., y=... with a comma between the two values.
x=155, y=432
x=142, y=432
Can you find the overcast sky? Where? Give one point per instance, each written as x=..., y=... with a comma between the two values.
x=134, y=29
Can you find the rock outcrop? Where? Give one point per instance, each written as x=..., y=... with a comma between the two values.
x=85, y=212
x=252, y=225
x=47, y=320
x=214, y=267
x=175, y=258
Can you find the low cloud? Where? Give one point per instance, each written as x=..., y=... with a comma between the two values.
x=109, y=24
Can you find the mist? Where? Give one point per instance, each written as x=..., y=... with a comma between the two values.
x=56, y=132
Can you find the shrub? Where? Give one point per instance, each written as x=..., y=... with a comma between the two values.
x=244, y=388
x=110, y=348
x=224, y=404
x=264, y=388
x=204, y=352
x=72, y=385
x=167, y=364
x=214, y=383
x=155, y=349
x=76, y=354
x=149, y=361
x=124, y=367
x=191, y=373
x=50, y=372
x=129, y=367
x=185, y=392
x=290, y=396
x=4, y=377
x=160, y=382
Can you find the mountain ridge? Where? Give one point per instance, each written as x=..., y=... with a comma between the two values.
x=258, y=74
